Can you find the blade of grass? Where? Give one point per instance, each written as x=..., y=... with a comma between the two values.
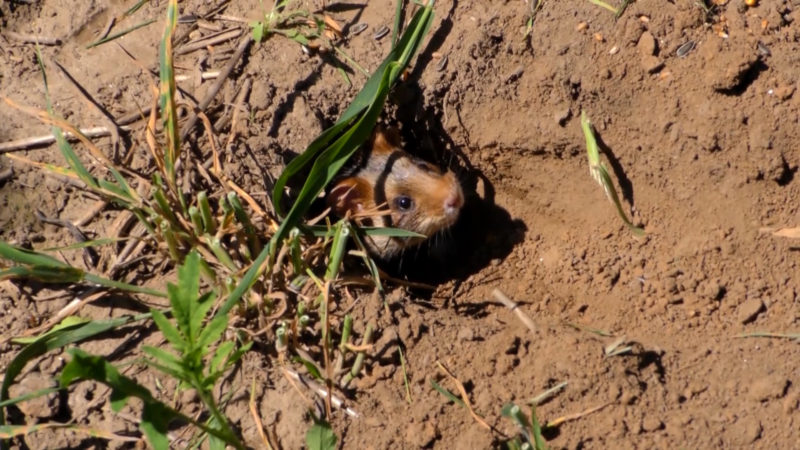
x=10, y=431
x=398, y=14
x=450, y=396
x=120, y=34
x=603, y=5
x=58, y=339
x=167, y=97
x=764, y=334
x=50, y=270
x=600, y=174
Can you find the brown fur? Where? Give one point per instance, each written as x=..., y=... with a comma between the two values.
x=373, y=195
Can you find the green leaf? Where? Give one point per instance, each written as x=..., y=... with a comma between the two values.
x=44, y=268
x=259, y=31
x=21, y=255
x=310, y=366
x=55, y=340
x=120, y=34
x=221, y=355
x=321, y=436
x=536, y=429
x=168, y=330
x=450, y=396
x=165, y=358
x=600, y=174
x=68, y=321
x=201, y=307
x=84, y=366
x=212, y=332
x=29, y=396
x=155, y=422
x=85, y=244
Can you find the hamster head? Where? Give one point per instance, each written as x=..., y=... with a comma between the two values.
x=395, y=189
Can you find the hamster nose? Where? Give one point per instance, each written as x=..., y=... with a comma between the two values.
x=455, y=200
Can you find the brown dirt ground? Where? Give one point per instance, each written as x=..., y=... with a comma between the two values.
x=704, y=147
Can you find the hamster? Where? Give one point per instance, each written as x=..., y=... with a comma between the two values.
x=390, y=188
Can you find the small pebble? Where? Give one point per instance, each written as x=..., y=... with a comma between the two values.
x=382, y=31
x=750, y=310
x=466, y=334
x=358, y=28
x=770, y=387
x=651, y=423
x=684, y=49
x=651, y=64
x=563, y=115
x=763, y=50
x=646, y=44
x=442, y=64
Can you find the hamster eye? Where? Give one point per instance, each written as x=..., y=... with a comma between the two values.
x=426, y=166
x=403, y=202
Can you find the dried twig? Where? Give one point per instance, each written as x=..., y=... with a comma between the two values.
x=98, y=207
x=464, y=396
x=224, y=74
x=562, y=419
x=513, y=306
x=69, y=310
x=319, y=390
x=32, y=39
x=209, y=40
x=6, y=174
x=38, y=141
x=256, y=417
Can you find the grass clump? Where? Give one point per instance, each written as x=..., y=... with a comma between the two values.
x=530, y=432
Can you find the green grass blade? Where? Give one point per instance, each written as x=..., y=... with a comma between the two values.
x=68, y=321
x=450, y=396
x=29, y=257
x=105, y=282
x=135, y=7
x=600, y=174
x=29, y=396
x=85, y=244
x=63, y=145
x=536, y=430
x=603, y=4
x=398, y=12
x=51, y=341
x=120, y=34
x=167, y=97
x=322, y=231
x=321, y=436
x=49, y=270
x=338, y=248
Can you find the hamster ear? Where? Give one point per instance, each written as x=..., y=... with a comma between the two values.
x=349, y=194
x=385, y=139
